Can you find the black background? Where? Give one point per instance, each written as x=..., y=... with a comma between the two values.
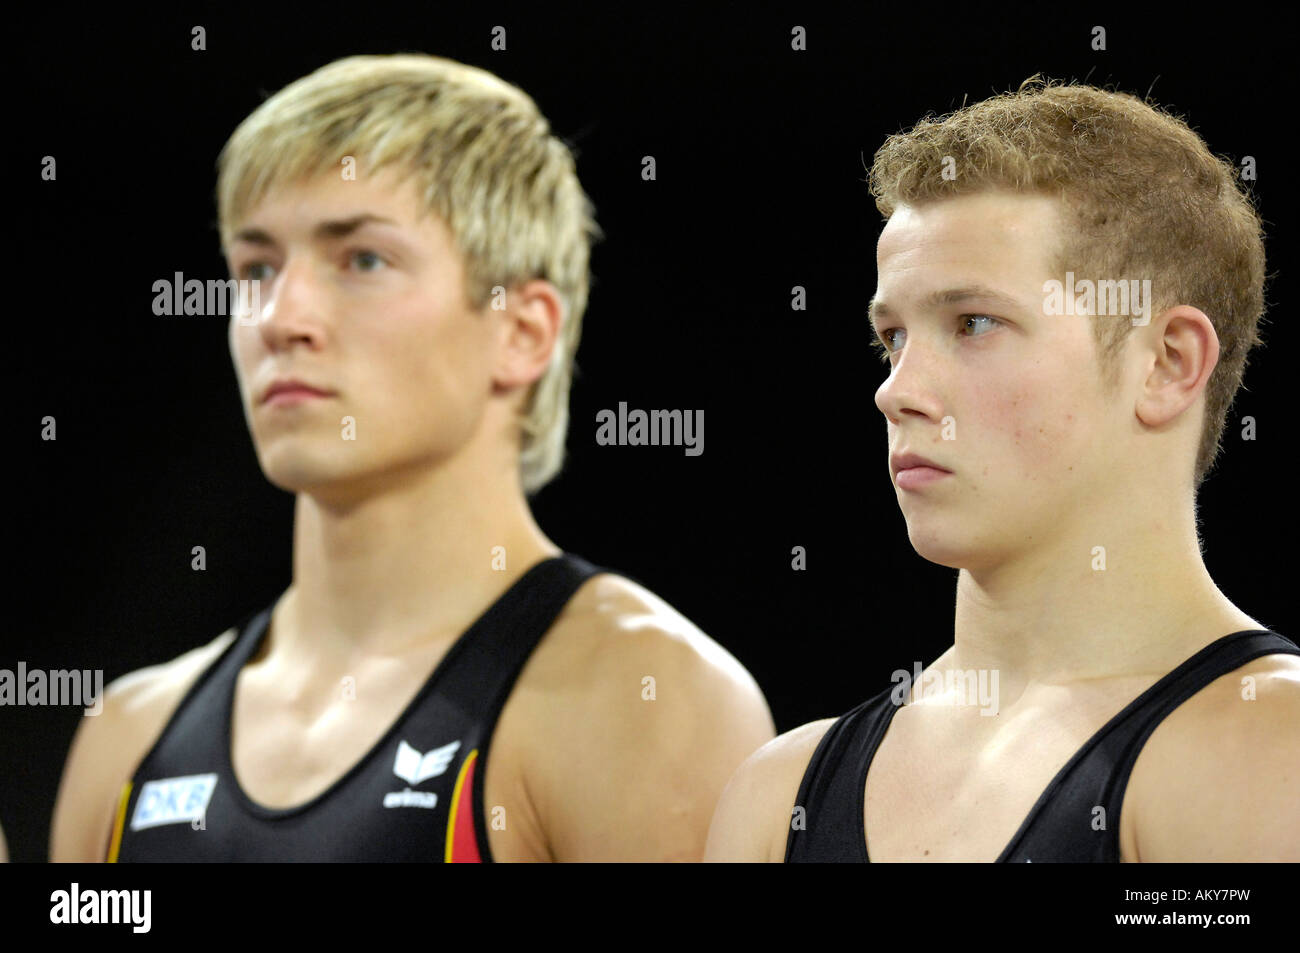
x=761, y=155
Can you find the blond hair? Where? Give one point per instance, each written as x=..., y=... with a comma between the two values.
x=486, y=163
x=1143, y=197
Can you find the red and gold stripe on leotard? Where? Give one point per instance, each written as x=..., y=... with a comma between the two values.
x=462, y=844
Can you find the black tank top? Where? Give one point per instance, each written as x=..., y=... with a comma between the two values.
x=416, y=796
x=1060, y=825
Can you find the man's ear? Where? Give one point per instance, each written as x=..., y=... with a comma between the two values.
x=1184, y=351
x=528, y=333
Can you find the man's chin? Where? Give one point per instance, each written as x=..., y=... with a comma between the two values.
x=302, y=474
x=940, y=548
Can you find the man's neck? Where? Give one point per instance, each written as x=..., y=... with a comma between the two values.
x=407, y=565
x=1056, y=616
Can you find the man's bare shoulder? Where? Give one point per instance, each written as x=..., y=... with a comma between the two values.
x=627, y=722
x=159, y=687
x=107, y=748
x=1216, y=779
x=1248, y=694
x=612, y=621
x=753, y=817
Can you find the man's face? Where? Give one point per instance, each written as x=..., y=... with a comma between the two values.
x=373, y=311
x=1017, y=392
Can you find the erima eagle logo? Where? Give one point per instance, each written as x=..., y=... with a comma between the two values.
x=413, y=767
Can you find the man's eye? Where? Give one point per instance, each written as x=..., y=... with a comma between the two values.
x=884, y=344
x=250, y=272
x=367, y=260
x=972, y=317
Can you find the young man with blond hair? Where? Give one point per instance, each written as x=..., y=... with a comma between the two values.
x=1102, y=700
x=440, y=681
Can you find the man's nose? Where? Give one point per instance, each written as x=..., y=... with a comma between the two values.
x=912, y=385
x=294, y=305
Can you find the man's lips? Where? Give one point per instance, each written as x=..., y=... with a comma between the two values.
x=292, y=391
x=912, y=478
x=909, y=461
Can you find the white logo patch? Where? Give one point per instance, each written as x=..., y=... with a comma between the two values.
x=413, y=767
x=173, y=800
